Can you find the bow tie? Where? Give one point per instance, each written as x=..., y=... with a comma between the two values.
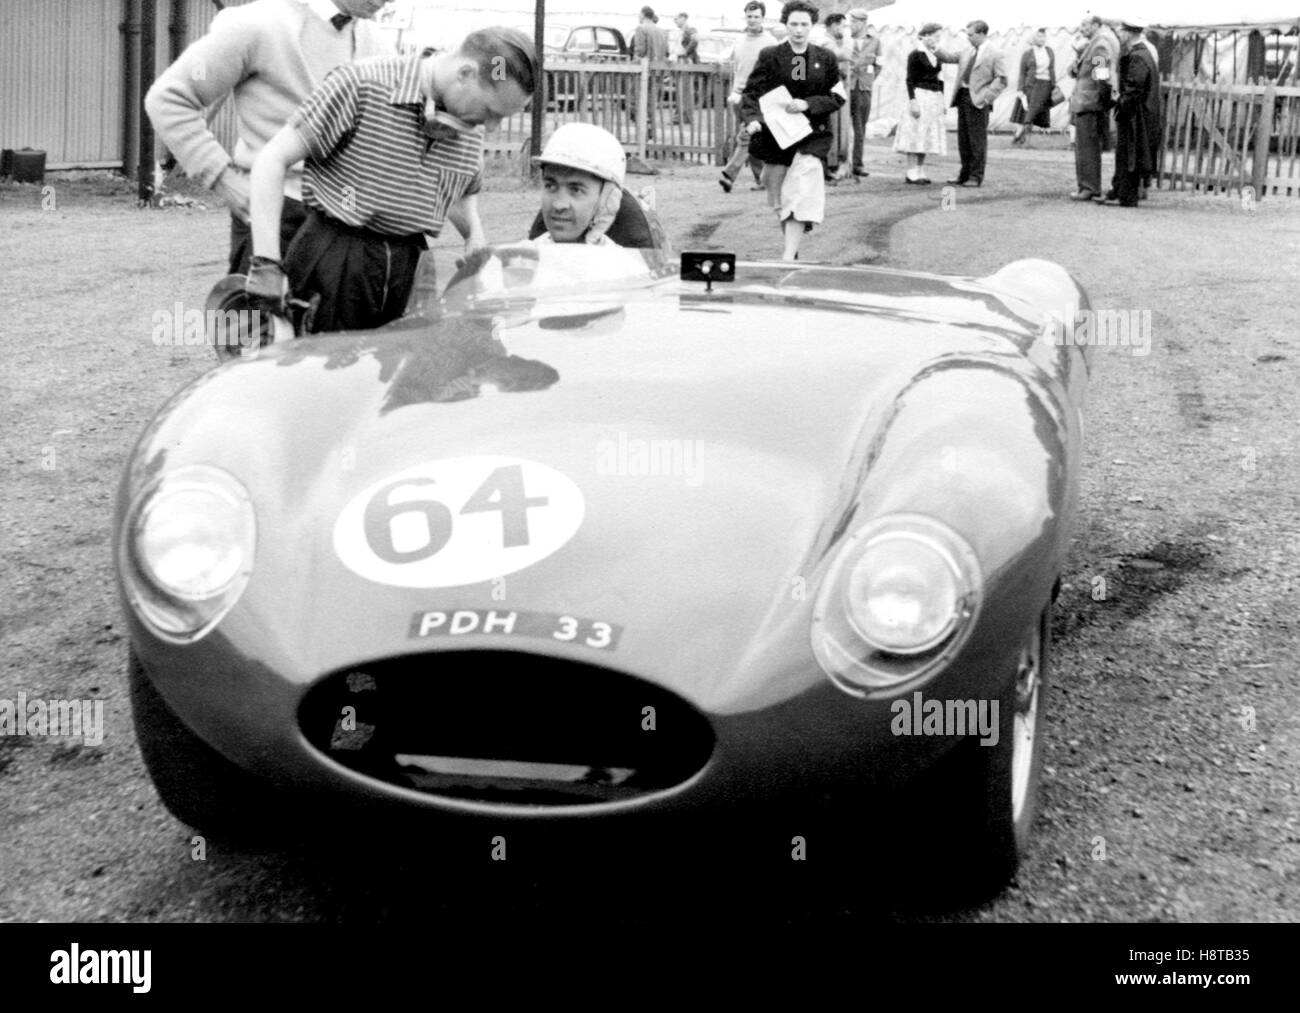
x=339, y=20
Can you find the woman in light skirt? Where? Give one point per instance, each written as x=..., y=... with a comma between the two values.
x=923, y=131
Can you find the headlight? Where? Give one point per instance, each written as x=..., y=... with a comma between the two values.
x=899, y=599
x=188, y=550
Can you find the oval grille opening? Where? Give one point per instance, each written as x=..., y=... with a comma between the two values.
x=507, y=727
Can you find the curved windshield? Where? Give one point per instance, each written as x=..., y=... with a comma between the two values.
x=514, y=275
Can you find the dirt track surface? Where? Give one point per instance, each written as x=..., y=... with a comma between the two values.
x=1172, y=787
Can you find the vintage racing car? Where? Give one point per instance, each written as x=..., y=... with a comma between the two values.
x=603, y=541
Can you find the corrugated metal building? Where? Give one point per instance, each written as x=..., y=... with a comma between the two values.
x=68, y=80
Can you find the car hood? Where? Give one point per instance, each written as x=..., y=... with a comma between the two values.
x=715, y=442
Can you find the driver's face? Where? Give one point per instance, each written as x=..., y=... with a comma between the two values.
x=569, y=198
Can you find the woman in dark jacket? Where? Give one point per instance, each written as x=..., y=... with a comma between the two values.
x=795, y=176
x=1034, y=92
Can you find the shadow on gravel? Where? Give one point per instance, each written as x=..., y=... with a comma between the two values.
x=702, y=232
x=877, y=228
x=425, y=879
x=1124, y=587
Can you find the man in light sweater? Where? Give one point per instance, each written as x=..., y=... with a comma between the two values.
x=268, y=55
x=754, y=41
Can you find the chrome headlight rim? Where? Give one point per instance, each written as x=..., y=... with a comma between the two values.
x=863, y=665
x=956, y=559
x=172, y=613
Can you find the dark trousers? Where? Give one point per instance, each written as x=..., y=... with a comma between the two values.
x=859, y=112
x=740, y=154
x=363, y=278
x=1090, y=131
x=1128, y=187
x=292, y=215
x=972, y=137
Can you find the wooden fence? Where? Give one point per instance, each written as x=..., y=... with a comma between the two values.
x=1220, y=137
x=658, y=110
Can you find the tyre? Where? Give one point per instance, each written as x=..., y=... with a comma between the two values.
x=198, y=785
x=981, y=801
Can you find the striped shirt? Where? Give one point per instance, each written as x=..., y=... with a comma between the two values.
x=370, y=163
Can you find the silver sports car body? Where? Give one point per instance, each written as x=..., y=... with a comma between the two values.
x=596, y=544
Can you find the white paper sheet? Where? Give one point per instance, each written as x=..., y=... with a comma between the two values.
x=787, y=128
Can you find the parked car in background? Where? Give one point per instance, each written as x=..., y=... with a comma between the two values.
x=590, y=42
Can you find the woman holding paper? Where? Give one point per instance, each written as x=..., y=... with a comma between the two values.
x=922, y=131
x=792, y=93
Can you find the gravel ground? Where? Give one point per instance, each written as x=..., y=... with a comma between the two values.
x=1172, y=788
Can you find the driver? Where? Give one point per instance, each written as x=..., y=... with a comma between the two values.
x=583, y=168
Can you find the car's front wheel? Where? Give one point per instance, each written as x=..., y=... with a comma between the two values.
x=198, y=785
x=982, y=799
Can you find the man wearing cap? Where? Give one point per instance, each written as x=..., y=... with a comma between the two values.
x=864, y=64
x=836, y=39
x=1135, y=154
x=1156, y=111
x=392, y=147
x=268, y=56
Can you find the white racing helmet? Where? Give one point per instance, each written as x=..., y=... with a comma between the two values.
x=587, y=147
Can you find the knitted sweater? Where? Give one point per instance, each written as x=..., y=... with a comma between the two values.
x=745, y=55
x=269, y=55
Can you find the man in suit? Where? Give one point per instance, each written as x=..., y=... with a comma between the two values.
x=981, y=78
x=864, y=64
x=1093, y=72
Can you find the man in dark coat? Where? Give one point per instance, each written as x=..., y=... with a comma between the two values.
x=794, y=176
x=1155, y=110
x=1135, y=154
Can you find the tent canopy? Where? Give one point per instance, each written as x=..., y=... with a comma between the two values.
x=1004, y=14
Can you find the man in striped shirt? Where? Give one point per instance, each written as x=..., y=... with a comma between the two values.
x=393, y=147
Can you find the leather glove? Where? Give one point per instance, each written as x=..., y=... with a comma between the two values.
x=267, y=287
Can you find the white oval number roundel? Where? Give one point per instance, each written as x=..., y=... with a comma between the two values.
x=458, y=521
